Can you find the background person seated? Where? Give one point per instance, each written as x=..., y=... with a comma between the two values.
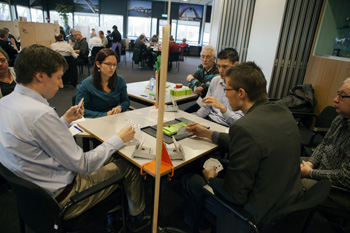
x=81, y=48
x=173, y=48
x=9, y=47
x=146, y=53
x=13, y=37
x=183, y=46
x=95, y=41
x=71, y=38
x=103, y=38
x=200, y=80
x=104, y=91
x=7, y=75
x=62, y=47
x=154, y=40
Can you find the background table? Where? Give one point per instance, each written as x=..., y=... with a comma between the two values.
x=138, y=92
x=194, y=147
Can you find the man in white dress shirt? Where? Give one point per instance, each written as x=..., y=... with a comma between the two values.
x=62, y=47
x=36, y=144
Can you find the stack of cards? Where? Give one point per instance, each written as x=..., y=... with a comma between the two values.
x=210, y=163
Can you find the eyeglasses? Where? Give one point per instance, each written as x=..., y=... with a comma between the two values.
x=230, y=89
x=342, y=97
x=3, y=60
x=225, y=67
x=110, y=65
x=206, y=57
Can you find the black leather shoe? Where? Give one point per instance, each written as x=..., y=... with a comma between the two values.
x=114, y=222
x=138, y=224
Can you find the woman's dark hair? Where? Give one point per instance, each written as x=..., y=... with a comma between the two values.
x=37, y=58
x=100, y=57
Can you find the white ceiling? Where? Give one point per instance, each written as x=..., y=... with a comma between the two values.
x=199, y=2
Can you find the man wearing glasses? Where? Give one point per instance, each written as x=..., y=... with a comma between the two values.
x=264, y=146
x=81, y=47
x=215, y=105
x=200, y=81
x=331, y=158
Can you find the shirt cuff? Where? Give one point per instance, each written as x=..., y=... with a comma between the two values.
x=215, y=137
x=65, y=122
x=115, y=141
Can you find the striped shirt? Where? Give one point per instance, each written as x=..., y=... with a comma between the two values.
x=331, y=158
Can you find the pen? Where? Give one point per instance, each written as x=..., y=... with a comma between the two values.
x=78, y=129
x=144, y=95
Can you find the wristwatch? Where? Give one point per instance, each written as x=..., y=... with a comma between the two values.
x=310, y=173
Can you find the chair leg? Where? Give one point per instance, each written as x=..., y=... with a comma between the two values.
x=123, y=208
x=22, y=227
x=199, y=214
x=88, y=65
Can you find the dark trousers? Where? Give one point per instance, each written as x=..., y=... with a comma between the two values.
x=214, y=213
x=193, y=108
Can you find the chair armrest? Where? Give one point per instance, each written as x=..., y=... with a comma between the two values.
x=85, y=194
x=236, y=209
x=304, y=114
x=97, y=188
x=340, y=189
x=320, y=130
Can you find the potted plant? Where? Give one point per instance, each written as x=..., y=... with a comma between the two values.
x=62, y=10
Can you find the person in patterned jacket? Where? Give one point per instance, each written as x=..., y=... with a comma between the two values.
x=200, y=80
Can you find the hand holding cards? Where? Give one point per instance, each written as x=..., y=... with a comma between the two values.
x=210, y=163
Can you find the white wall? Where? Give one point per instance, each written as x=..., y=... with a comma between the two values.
x=267, y=21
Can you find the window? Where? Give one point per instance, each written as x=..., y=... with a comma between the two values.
x=188, y=30
x=107, y=22
x=37, y=15
x=137, y=26
x=162, y=23
x=23, y=12
x=5, y=12
x=206, y=34
x=84, y=19
x=55, y=16
x=154, y=26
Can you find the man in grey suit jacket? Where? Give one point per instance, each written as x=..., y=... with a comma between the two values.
x=263, y=174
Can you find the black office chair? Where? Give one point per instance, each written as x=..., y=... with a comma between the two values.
x=81, y=62
x=41, y=213
x=94, y=51
x=131, y=46
x=123, y=53
x=71, y=74
x=137, y=58
x=336, y=215
x=175, y=57
x=313, y=137
x=291, y=219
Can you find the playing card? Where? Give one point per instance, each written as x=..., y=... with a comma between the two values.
x=210, y=163
x=182, y=130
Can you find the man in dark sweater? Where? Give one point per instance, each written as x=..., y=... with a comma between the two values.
x=81, y=47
